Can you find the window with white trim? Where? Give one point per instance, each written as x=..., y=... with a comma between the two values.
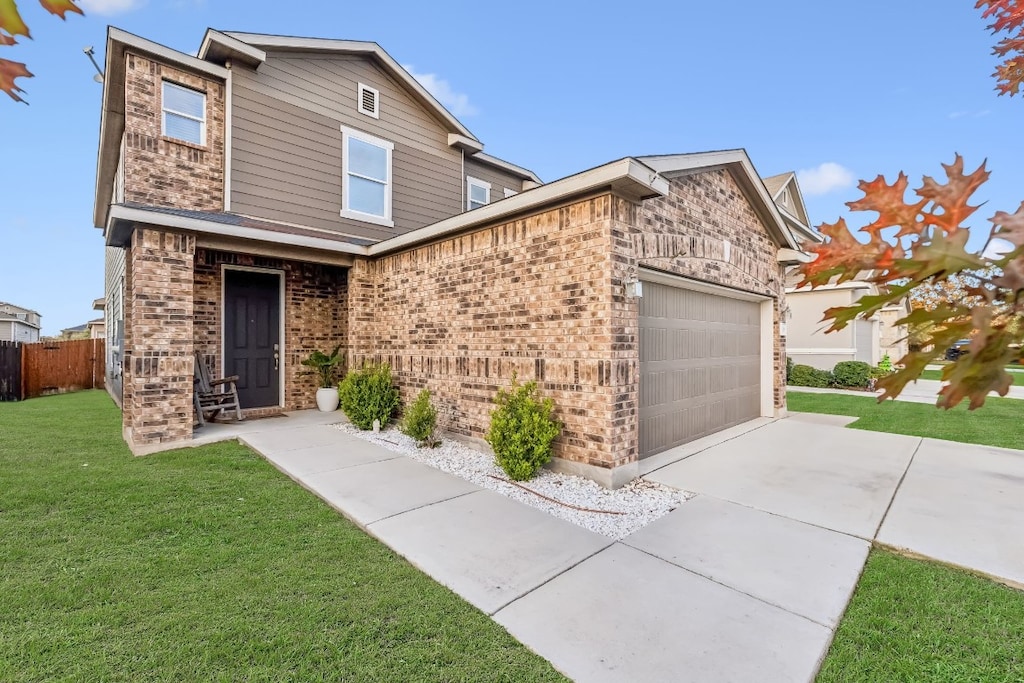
x=478, y=193
x=184, y=113
x=509, y=192
x=366, y=177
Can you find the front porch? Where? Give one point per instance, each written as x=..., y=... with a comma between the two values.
x=243, y=310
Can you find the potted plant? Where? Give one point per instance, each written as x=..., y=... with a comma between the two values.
x=325, y=366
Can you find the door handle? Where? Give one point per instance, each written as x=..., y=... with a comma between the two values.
x=277, y=357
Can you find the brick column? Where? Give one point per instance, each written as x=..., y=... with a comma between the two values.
x=158, y=363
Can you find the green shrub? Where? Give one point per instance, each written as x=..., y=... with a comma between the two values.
x=420, y=421
x=368, y=395
x=789, y=368
x=851, y=373
x=885, y=366
x=806, y=376
x=522, y=430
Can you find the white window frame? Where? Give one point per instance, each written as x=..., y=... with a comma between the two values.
x=470, y=183
x=362, y=87
x=389, y=147
x=164, y=110
x=509, y=192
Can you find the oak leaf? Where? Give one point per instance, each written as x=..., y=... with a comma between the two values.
x=952, y=197
x=11, y=22
x=1010, y=226
x=8, y=72
x=845, y=256
x=890, y=203
x=61, y=7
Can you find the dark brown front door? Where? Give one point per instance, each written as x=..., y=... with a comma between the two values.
x=252, y=340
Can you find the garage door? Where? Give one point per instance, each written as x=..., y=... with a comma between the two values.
x=700, y=365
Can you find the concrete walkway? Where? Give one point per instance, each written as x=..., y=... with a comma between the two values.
x=745, y=582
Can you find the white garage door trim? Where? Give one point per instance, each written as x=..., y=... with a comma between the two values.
x=767, y=325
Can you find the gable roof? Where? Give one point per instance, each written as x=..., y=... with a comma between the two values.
x=250, y=48
x=743, y=172
x=798, y=220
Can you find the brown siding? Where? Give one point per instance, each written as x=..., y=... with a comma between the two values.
x=498, y=179
x=286, y=145
x=161, y=171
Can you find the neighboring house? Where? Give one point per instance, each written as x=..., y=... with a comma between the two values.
x=806, y=340
x=18, y=324
x=276, y=195
x=77, y=332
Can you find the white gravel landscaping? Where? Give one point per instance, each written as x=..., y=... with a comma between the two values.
x=625, y=510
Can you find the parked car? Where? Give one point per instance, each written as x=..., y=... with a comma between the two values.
x=958, y=349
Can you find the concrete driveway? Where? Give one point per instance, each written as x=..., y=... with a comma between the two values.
x=747, y=581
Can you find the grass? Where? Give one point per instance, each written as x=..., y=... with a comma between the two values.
x=997, y=423
x=206, y=564
x=937, y=375
x=917, y=621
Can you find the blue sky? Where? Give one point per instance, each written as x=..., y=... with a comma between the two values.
x=863, y=88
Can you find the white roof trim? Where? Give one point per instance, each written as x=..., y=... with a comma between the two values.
x=11, y=319
x=213, y=36
x=510, y=167
x=357, y=47
x=853, y=284
x=628, y=175
x=130, y=214
x=732, y=158
x=131, y=40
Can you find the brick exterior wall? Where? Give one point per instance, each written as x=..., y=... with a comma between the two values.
x=158, y=362
x=315, y=314
x=162, y=171
x=531, y=297
x=685, y=233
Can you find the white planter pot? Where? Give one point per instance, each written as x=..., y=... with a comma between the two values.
x=327, y=399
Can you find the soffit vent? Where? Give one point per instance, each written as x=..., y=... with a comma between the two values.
x=368, y=101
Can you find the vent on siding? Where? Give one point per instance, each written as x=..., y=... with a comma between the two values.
x=369, y=101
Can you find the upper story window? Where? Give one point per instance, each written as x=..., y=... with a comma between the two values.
x=478, y=193
x=366, y=177
x=184, y=114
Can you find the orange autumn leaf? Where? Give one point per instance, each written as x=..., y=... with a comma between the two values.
x=844, y=256
x=889, y=201
x=1007, y=17
x=11, y=22
x=952, y=197
x=61, y=7
x=8, y=72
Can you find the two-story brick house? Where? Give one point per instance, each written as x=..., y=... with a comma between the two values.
x=274, y=195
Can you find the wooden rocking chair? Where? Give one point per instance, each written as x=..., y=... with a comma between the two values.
x=213, y=395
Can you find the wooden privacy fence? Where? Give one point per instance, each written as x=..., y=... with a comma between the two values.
x=52, y=367
x=10, y=371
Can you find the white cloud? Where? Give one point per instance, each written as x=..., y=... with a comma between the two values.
x=825, y=178
x=111, y=6
x=456, y=102
x=997, y=248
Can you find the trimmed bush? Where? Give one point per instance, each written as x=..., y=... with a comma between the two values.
x=368, y=395
x=851, y=373
x=806, y=376
x=420, y=421
x=522, y=430
x=885, y=365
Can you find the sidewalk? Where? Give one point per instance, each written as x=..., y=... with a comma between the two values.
x=707, y=593
x=921, y=391
x=746, y=581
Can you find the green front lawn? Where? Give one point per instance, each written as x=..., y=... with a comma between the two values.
x=937, y=375
x=206, y=564
x=997, y=423
x=917, y=621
